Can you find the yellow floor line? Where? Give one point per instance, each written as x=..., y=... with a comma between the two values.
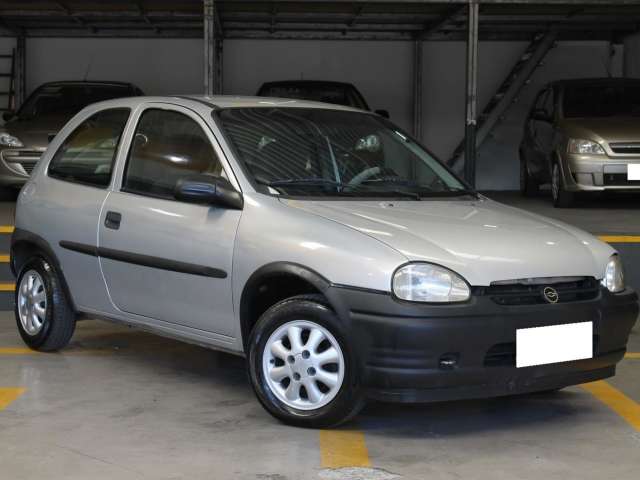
x=616, y=401
x=7, y=228
x=8, y=395
x=620, y=238
x=17, y=351
x=343, y=448
x=80, y=351
x=4, y=258
x=634, y=355
x=7, y=287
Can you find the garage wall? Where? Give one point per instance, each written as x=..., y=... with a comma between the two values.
x=381, y=70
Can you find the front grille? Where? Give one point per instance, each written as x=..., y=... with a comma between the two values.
x=628, y=148
x=531, y=292
x=22, y=160
x=619, y=180
x=28, y=166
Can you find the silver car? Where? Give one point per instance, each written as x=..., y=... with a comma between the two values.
x=321, y=242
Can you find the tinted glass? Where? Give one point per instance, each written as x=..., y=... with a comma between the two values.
x=314, y=152
x=87, y=155
x=167, y=146
x=69, y=99
x=328, y=93
x=601, y=100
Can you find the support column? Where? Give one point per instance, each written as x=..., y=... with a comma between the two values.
x=472, y=94
x=212, y=50
x=20, y=84
x=417, y=89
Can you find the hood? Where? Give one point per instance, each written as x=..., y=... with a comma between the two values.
x=606, y=129
x=35, y=132
x=481, y=240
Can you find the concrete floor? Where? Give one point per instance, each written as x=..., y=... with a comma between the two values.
x=122, y=404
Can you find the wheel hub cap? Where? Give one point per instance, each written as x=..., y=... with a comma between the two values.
x=32, y=302
x=303, y=365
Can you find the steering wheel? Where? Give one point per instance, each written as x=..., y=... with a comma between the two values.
x=364, y=176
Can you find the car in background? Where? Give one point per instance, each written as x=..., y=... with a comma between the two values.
x=338, y=93
x=27, y=132
x=582, y=136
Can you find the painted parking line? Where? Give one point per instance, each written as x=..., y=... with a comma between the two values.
x=616, y=401
x=343, y=448
x=8, y=395
x=620, y=238
x=633, y=355
x=7, y=287
x=17, y=351
x=79, y=351
x=4, y=258
x=7, y=228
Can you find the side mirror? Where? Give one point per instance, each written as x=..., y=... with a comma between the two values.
x=208, y=190
x=383, y=113
x=542, y=116
x=8, y=115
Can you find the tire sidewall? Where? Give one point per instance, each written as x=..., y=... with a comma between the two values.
x=45, y=270
x=308, y=310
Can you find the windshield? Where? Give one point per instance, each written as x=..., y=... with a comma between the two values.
x=68, y=99
x=337, y=94
x=601, y=101
x=328, y=153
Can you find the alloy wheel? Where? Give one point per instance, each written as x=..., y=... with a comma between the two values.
x=32, y=302
x=303, y=365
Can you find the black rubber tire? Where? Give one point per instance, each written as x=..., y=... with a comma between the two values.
x=563, y=199
x=347, y=403
x=60, y=319
x=529, y=187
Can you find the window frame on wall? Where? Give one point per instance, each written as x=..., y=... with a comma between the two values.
x=62, y=149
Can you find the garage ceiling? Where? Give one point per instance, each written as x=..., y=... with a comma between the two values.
x=320, y=19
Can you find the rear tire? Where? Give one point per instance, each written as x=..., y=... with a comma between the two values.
x=45, y=319
x=298, y=380
x=561, y=197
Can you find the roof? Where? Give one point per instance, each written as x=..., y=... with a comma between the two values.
x=307, y=82
x=228, y=101
x=89, y=82
x=595, y=81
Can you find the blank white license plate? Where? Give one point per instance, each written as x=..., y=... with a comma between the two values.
x=633, y=171
x=557, y=343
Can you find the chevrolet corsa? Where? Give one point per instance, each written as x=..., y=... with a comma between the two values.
x=323, y=243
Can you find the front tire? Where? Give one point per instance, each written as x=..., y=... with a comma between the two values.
x=561, y=197
x=301, y=366
x=529, y=187
x=45, y=319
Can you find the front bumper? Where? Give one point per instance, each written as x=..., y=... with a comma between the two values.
x=597, y=173
x=16, y=164
x=400, y=346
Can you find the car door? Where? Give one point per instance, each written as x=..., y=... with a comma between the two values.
x=164, y=259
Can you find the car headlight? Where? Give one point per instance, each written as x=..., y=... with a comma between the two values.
x=614, y=275
x=585, y=147
x=7, y=140
x=425, y=282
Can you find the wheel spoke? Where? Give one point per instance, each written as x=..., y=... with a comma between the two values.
x=35, y=321
x=330, y=355
x=315, y=338
x=328, y=378
x=279, y=350
x=313, y=392
x=39, y=310
x=278, y=374
x=295, y=338
x=40, y=297
x=36, y=285
x=292, y=392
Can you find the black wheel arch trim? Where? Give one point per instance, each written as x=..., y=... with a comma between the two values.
x=39, y=244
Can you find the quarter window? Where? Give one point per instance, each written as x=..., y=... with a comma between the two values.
x=88, y=153
x=166, y=147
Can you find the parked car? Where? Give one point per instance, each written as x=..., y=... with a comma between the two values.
x=27, y=132
x=582, y=136
x=338, y=93
x=321, y=242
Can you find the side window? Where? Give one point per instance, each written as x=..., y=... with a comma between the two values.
x=548, y=103
x=88, y=153
x=166, y=147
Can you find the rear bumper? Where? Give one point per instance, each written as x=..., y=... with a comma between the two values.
x=399, y=346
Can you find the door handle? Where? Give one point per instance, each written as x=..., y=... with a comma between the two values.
x=112, y=220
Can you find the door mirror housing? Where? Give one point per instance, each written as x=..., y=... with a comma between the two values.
x=542, y=116
x=383, y=113
x=209, y=190
x=8, y=115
